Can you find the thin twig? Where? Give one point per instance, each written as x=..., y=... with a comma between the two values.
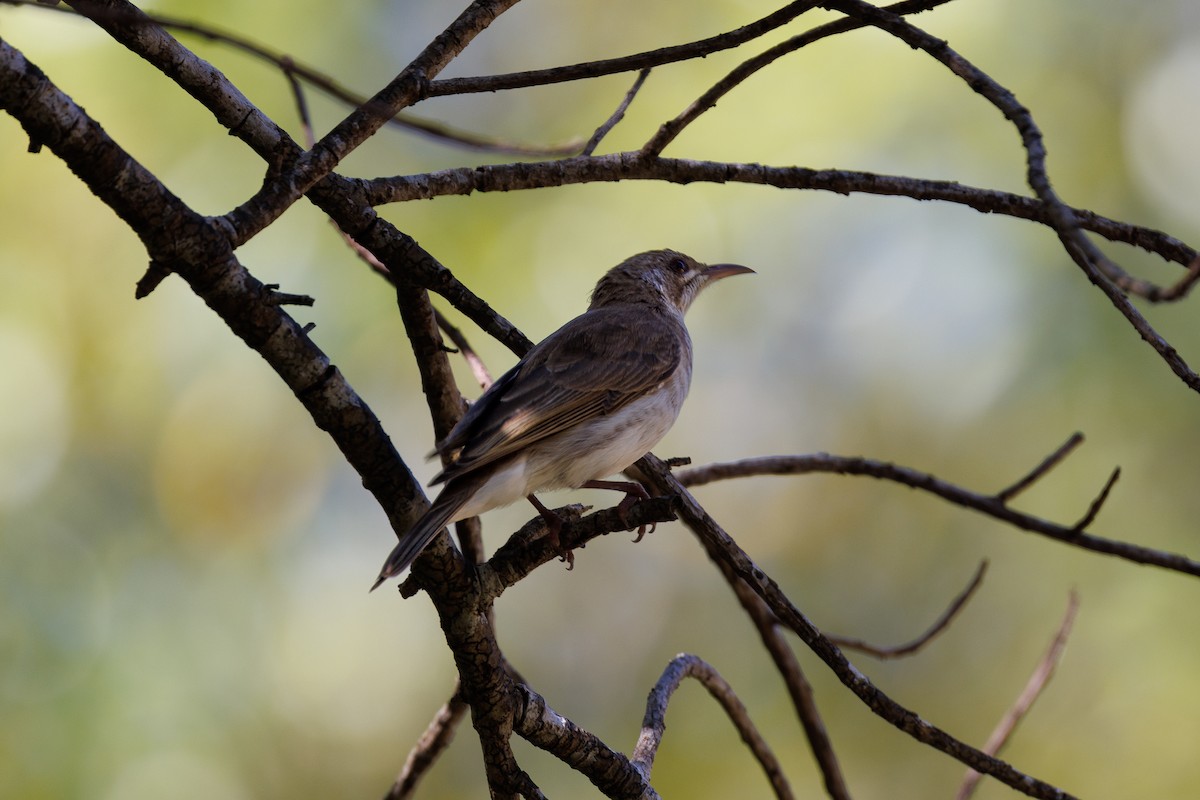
x=291, y=73
x=617, y=115
x=1098, y=503
x=1177, y=290
x=1033, y=689
x=478, y=368
x=429, y=747
x=1041, y=469
x=611, y=66
x=938, y=626
x=671, y=129
x=654, y=724
x=297, y=73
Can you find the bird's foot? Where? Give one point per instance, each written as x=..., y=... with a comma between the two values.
x=554, y=525
x=623, y=512
x=633, y=493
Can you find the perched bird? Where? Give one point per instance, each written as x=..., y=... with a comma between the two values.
x=586, y=402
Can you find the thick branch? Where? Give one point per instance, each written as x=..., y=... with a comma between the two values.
x=283, y=189
x=607, y=769
x=529, y=548
x=178, y=237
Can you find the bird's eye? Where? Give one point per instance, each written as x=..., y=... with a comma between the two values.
x=678, y=266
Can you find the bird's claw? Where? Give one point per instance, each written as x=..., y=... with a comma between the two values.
x=623, y=513
x=554, y=524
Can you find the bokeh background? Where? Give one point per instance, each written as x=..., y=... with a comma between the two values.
x=184, y=559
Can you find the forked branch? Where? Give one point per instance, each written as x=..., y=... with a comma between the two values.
x=989, y=504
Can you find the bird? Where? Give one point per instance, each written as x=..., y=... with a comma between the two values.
x=584, y=403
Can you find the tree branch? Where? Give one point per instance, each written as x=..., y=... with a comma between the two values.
x=1033, y=690
x=942, y=622
x=991, y=505
x=623, y=166
x=671, y=129
x=529, y=548
x=1034, y=475
x=429, y=747
x=631, y=63
x=1060, y=217
x=607, y=769
x=617, y=115
x=300, y=173
x=176, y=236
x=799, y=689
x=722, y=548
x=654, y=724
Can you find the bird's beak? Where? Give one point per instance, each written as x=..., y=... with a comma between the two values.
x=718, y=271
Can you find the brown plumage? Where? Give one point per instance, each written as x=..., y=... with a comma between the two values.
x=586, y=402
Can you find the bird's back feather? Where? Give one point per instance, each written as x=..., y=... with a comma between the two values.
x=578, y=373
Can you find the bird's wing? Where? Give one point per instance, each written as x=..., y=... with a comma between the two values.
x=594, y=365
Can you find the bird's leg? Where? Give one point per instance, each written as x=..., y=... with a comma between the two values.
x=633, y=493
x=554, y=525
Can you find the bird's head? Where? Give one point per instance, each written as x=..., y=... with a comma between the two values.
x=660, y=277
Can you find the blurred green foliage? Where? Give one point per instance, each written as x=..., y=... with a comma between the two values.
x=184, y=558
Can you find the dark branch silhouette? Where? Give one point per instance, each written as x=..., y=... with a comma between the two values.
x=463, y=584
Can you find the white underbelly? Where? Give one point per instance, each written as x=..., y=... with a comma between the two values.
x=507, y=485
x=605, y=445
x=601, y=447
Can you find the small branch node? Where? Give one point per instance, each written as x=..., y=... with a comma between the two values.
x=277, y=298
x=156, y=272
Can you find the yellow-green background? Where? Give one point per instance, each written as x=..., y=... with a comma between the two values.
x=184, y=558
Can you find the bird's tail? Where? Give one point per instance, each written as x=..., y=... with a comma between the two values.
x=420, y=535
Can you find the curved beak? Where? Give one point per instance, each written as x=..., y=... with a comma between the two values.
x=718, y=271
